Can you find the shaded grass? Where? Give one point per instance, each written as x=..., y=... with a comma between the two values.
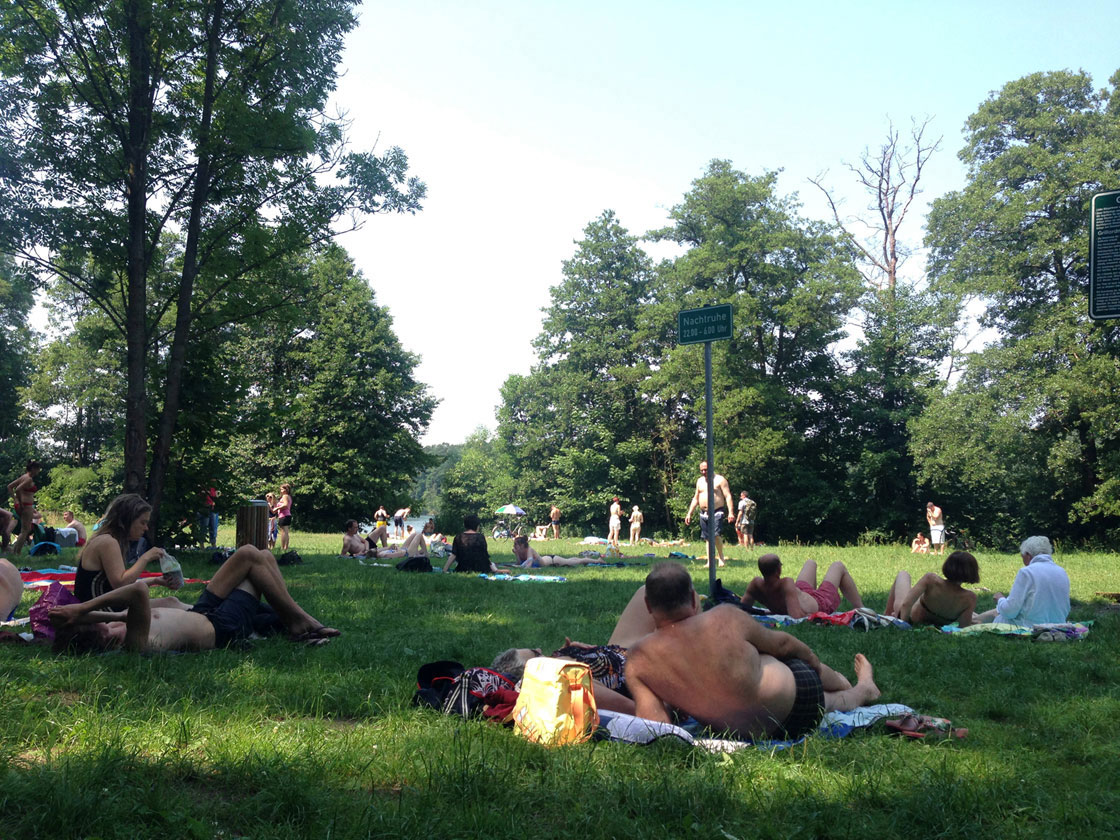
x=282, y=741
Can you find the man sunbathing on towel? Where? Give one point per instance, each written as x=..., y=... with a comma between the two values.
x=224, y=614
x=801, y=597
x=528, y=558
x=725, y=669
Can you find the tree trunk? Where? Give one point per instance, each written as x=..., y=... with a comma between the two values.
x=184, y=317
x=136, y=326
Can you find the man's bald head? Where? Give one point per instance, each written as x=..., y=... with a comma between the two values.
x=669, y=588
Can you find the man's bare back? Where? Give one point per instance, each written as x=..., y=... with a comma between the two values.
x=781, y=596
x=705, y=667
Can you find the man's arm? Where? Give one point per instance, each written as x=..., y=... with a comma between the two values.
x=1012, y=605
x=692, y=507
x=751, y=595
x=774, y=643
x=133, y=599
x=647, y=705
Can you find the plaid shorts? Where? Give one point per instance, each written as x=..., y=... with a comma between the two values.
x=808, y=701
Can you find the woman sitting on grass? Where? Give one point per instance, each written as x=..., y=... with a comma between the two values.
x=528, y=558
x=937, y=601
x=101, y=562
x=469, y=552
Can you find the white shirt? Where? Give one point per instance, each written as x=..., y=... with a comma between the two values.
x=1040, y=595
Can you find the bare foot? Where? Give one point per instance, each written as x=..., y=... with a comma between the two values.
x=865, y=677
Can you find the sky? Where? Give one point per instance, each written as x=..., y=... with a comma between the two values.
x=528, y=119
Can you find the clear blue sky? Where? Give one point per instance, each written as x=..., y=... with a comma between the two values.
x=528, y=119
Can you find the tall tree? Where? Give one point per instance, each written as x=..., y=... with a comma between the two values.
x=903, y=334
x=126, y=122
x=16, y=359
x=1016, y=239
x=791, y=283
x=584, y=425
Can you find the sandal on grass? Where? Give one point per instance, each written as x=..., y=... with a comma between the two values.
x=921, y=726
x=315, y=634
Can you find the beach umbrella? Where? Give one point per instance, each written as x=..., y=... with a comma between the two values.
x=510, y=510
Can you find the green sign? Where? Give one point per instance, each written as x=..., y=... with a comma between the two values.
x=709, y=323
x=1104, y=255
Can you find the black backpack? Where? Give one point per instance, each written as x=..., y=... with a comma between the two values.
x=289, y=558
x=414, y=564
x=434, y=681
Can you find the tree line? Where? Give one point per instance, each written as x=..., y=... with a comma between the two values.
x=172, y=186
x=839, y=440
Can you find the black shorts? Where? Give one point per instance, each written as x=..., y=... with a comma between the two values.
x=232, y=617
x=808, y=702
x=284, y=521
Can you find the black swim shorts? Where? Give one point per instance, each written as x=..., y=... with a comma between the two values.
x=808, y=702
x=232, y=617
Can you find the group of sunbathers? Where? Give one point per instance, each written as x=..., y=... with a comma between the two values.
x=724, y=669
x=375, y=544
x=115, y=609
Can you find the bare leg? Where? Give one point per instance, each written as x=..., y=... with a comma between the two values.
x=634, y=622
x=899, y=589
x=283, y=537
x=6, y=523
x=838, y=576
x=808, y=573
x=259, y=568
x=863, y=692
x=415, y=546
x=26, y=526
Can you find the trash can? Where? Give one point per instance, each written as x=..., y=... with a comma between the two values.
x=252, y=524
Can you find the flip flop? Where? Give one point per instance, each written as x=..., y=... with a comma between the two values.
x=921, y=726
x=320, y=632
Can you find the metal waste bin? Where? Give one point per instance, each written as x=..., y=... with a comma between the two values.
x=252, y=524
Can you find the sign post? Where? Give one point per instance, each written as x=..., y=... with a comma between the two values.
x=1104, y=255
x=707, y=324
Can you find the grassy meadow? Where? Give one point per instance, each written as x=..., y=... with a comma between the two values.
x=286, y=741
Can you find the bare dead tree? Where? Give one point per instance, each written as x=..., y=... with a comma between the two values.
x=891, y=179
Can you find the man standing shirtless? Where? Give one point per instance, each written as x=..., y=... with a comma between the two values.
x=801, y=597
x=728, y=671
x=936, y=520
x=554, y=515
x=722, y=500
x=224, y=614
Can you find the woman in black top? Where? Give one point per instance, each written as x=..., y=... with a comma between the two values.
x=469, y=552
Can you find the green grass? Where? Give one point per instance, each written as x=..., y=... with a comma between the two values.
x=284, y=741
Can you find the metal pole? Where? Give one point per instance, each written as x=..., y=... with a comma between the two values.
x=711, y=470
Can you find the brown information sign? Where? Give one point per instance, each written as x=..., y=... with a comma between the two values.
x=1104, y=256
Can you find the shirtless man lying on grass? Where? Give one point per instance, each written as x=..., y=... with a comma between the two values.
x=725, y=669
x=224, y=614
x=802, y=597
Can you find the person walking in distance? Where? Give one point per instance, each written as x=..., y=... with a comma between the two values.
x=722, y=494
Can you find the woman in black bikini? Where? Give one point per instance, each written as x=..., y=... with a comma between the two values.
x=101, y=562
x=935, y=600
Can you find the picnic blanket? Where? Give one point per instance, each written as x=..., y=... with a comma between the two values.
x=1064, y=632
x=525, y=578
x=861, y=619
x=635, y=730
x=41, y=578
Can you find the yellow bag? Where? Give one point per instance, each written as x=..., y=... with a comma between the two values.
x=557, y=702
